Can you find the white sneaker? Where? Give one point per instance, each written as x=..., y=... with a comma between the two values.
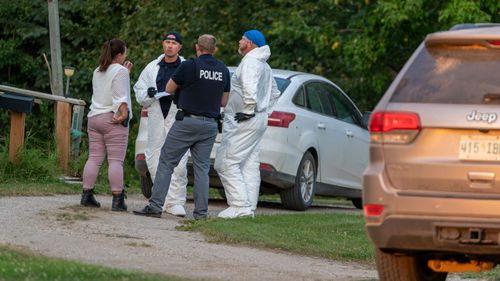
x=176, y=210
x=235, y=212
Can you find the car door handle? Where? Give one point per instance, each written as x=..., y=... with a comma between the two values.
x=321, y=126
x=349, y=133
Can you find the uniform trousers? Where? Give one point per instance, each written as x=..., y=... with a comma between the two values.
x=198, y=136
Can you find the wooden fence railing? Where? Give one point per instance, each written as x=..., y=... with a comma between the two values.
x=63, y=117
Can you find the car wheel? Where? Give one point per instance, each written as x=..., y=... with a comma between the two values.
x=357, y=202
x=392, y=267
x=146, y=185
x=300, y=196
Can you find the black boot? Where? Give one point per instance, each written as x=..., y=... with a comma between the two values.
x=118, y=203
x=88, y=199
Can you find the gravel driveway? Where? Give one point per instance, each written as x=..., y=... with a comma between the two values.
x=56, y=226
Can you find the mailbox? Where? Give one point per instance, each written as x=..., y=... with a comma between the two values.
x=16, y=103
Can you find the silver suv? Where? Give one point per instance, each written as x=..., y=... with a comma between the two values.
x=431, y=195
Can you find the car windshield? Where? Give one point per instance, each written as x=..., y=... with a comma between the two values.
x=452, y=75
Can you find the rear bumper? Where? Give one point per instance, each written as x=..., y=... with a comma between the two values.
x=437, y=223
x=271, y=178
x=406, y=233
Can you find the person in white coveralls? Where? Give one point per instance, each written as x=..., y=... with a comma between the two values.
x=150, y=93
x=253, y=93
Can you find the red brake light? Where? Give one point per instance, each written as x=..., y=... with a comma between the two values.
x=144, y=113
x=388, y=121
x=140, y=157
x=280, y=119
x=494, y=42
x=394, y=127
x=266, y=167
x=373, y=210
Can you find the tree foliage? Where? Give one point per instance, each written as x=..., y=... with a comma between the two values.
x=359, y=44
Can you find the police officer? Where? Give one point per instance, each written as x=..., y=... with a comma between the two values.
x=204, y=85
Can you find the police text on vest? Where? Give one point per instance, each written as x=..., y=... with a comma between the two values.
x=211, y=75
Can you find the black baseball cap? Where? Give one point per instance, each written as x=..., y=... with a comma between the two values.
x=173, y=35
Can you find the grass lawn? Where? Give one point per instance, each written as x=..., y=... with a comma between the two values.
x=333, y=236
x=20, y=264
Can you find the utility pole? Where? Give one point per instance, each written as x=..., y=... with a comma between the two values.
x=63, y=109
x=55, y=48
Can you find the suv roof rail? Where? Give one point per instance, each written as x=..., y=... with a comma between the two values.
x=473, y=25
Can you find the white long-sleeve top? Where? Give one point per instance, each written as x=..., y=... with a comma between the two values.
x=110, y=88
x=253, y=88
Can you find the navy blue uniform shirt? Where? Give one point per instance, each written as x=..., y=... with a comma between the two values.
x=164, y=73
x=202, y=83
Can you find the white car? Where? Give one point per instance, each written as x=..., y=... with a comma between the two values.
x=316, y=143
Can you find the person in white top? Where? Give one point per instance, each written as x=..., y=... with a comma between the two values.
x=150, y=93
x=107, y=127
x=253, y=94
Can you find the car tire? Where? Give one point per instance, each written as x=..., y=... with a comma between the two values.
x=146, y=185
x=394, y=267
x=357, y=202
x=300, y=196
x=222, y=193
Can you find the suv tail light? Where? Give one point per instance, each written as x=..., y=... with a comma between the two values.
x=144, y=113
x=373, y=210
x=280, y=119
x=394, y=127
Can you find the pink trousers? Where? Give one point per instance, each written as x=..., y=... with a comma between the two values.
x=105, y=139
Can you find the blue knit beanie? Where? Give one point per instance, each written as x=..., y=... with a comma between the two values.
x=256, y=37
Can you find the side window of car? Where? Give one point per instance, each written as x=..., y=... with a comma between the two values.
x=299, y=99
x=317, y=99
x=345, y=110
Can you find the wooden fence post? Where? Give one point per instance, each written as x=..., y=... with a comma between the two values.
x=16, y=142
x=63, y=133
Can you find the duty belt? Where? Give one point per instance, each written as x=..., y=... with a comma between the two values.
x=199, y=117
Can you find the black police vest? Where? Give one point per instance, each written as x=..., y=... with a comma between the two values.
x=204, y=95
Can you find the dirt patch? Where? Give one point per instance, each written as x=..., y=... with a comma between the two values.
x=57, y=227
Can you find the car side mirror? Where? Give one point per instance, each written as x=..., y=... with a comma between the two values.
x=366, y=119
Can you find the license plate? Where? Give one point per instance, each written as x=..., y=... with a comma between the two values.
x=477, y=147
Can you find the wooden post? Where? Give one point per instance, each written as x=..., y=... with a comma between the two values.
x=16, y=135
x=55, y=48
x=63, y=133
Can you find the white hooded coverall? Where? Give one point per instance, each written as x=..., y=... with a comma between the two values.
x=253, y=90
x=158, y=128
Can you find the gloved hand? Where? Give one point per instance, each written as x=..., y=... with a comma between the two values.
x=240, y=116
x=151, y=92
x=160, y=95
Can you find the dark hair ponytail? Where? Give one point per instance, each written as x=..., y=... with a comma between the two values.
x=109, y=50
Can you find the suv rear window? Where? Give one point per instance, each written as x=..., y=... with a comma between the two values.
x=452, y=75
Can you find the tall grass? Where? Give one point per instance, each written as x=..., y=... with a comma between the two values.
x=35, y=165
